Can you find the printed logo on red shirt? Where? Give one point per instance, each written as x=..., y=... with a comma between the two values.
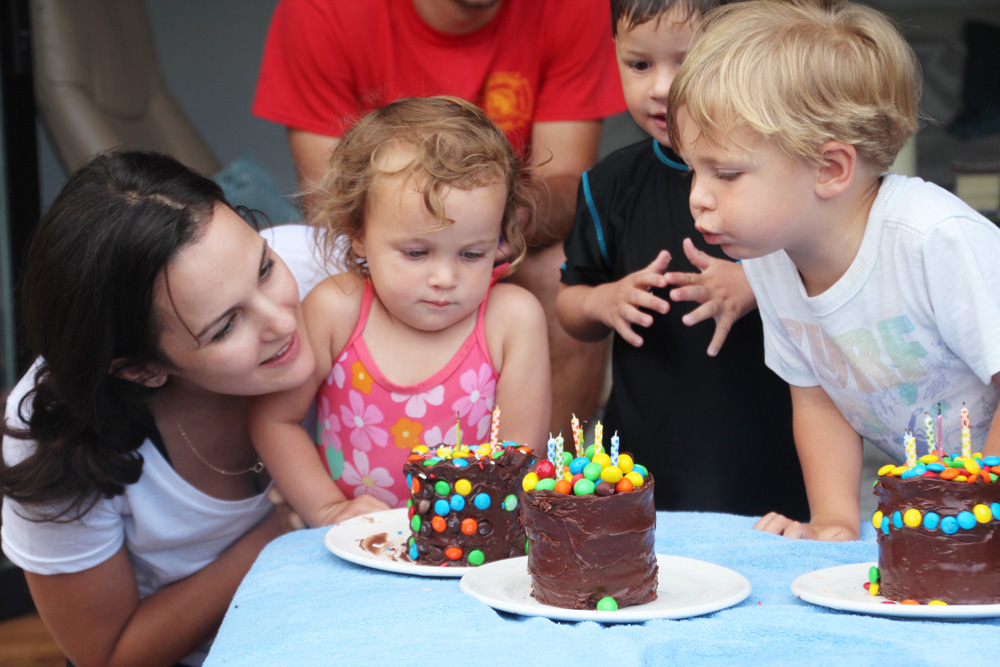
x=508, y=100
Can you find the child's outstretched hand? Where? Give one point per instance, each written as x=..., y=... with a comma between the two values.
x=618, y=304
x=347, y=509
x=722, y=289
x=830, y=531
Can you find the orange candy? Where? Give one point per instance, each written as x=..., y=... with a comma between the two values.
x=908, y=602
x=564, y=487
x=453, y=553
x=951, y=473
x=415, y=487
x=415, y=457
x=624, y=485
x=439, y=524
x=469, y=525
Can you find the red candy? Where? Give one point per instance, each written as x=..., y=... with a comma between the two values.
x=545, y=469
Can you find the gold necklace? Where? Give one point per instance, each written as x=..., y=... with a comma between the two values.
x=255, y=468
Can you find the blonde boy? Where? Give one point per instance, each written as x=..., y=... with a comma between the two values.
x=878, y=292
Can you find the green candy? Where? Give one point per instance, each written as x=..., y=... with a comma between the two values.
x=441, y=488
x=592, y=471
x=510, y=502
x=583, y=487
x=873, y=574
x=607, y=604
x=547, y=484
x=415, y=523
x=476, y=557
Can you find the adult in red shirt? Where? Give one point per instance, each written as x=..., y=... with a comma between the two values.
x=544, y=70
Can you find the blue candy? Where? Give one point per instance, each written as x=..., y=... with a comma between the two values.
x=458, y=502
x=931, y=520
x=441, y=507
x=966, y=520
x=995, y=509
x=991, y=461
x=949, y=525
x=481, y=501
x=885, y=525
x=897, y=520
x=460, y=463
x=935, y=467
x=413, y=551
x=577, y=465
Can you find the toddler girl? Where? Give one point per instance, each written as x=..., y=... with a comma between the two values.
x=415, y=334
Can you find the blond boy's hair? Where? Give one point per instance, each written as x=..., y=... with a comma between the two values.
x=799, y=74
x=438, y=142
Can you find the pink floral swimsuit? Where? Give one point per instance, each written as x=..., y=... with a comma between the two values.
x=367, y=425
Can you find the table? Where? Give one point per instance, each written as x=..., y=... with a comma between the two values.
x=302, y=605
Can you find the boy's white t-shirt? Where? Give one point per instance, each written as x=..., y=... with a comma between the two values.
x=169, y=528
x=914, y=321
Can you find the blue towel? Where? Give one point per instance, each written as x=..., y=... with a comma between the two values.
x=302, y=605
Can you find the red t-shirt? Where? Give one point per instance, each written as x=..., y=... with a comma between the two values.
x=328, y=62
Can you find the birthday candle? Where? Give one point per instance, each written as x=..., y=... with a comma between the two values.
x=577, y=435
x=929, y=429
x=614, y=449
x=910, y=445
x=559, y=456
x=458, y=431
x=495, y=429
x=598, y=437
x=940, y=440
x=966, y=434
x=551, y=454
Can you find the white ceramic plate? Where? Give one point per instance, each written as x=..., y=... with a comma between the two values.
x=359, y=541
x=686, y=587
x=842, y=587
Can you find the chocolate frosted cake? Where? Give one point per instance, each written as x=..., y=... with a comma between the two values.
x=591, y=528
x=583, y=549
x=938, y=525
x=463, y=506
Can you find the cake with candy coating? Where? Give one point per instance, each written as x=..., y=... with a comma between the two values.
x=463, y=506
x=591, y=530
x=938, y=523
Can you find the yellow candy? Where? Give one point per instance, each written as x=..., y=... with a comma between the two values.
x=603, y=459
x=873, y=589
x=528, y=483
x=420, y=449
x=938, y=603
x=464, y=486
x=972, y=465
x=632, y=476
x=983, y=513
x=877, y=519
x=443, y=452
x=899, y=470
x=912, y=517
x=461, y=453
x=961, y=478
x=483, y=450
x=929, y=458
x=625, y=463
x=612, y=474
x=886, y=469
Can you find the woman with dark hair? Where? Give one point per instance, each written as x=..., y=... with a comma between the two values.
x=133, y=498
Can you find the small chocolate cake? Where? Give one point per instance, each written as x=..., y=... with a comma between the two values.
x=939, y=534
x=463, y=506
x=584, y=548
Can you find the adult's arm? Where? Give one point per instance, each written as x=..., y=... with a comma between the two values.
x=560, y=152
x=311, y=153
x=97, y=617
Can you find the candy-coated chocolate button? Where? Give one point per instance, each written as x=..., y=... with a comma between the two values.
x=607, y=604
x=912, y=517
x=476, y=557
x=529, y=481
x=463, y=486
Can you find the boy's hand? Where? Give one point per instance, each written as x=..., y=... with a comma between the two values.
x=618, y=304
x=778, y=524
x=722, y=289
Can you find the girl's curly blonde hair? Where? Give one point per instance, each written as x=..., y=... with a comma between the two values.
x=452, y=144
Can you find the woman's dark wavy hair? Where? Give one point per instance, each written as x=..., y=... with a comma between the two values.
x=87, y=300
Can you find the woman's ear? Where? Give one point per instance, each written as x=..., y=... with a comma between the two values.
x=836, y=172
x=149, y=375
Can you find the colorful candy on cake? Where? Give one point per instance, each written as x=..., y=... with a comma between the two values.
x=938, y=523
x=590, y=521
x=463, y=506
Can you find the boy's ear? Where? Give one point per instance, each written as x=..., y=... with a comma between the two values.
x=148, y=375
x=836, y=173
